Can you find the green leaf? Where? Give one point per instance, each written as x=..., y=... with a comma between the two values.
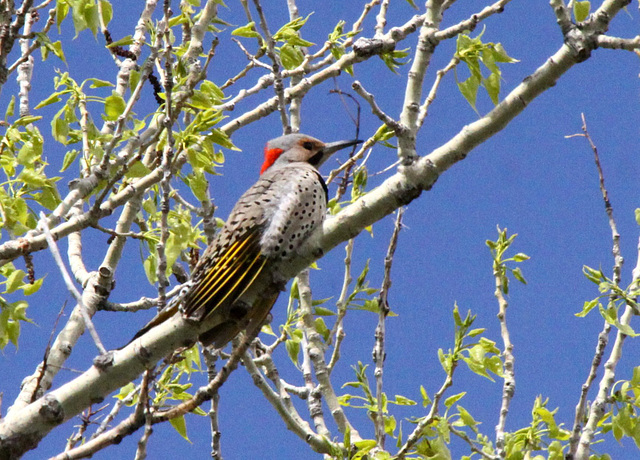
x=107, y=12
x=248, y=31
x=114, y=106
x=581, y=10
x=426, y=400
x=492, y=85
x=212, y=90
x=79, y=22
x=475, y=332
x=200, y=100
x=12, y=106
x=467, y=419
x=451, y=400
x=14, y=281
x=321, y=311
x=60, y=130
x=12, y=329
x=91, y=17
x=33, y=178
x=469, y=89
x=517, y=273
x=23, y=121
x=587, y=307
x=29, y=289
x=293, y=349
x=393, y=59
x=365, y=444
x=198, y=184
x=134, y=79
x=472, y=52
x=55, y=97
x=593, y=275
x=97, y=83
x=29, y=153
x=347, y=437
x=48, y=197
x=290, y=56
x=180, y=425
x=69, y=158
x=55, y=48
x=403, y=401
x=150, y=268
x=390, y=425
x=220, y=138
x=322, y=329
x=626, y=329
x=62, y=9
x=138, y=169
x=500, y=54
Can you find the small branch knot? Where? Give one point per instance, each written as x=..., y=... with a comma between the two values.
x=367, y=47
x=103, y=362
x=581, y=43
x=51, y=410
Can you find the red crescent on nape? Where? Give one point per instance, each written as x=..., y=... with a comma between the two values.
x=270, y=156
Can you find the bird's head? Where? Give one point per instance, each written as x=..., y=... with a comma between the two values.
x=293, y=148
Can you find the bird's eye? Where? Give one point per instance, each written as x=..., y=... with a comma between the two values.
x=308, y=145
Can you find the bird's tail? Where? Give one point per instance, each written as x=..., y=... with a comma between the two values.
x=158, y=319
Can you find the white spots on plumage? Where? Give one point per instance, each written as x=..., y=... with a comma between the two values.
x=291, y=216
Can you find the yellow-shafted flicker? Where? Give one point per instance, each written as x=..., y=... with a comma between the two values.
x=237, y=275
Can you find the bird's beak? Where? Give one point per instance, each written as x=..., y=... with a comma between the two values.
x=335, y=146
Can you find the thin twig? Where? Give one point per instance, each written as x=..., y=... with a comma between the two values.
x=397, y=128
x=379, y=353
x=365, y=11
x=53, y=247
x=342, y=188
x=316, y=353
x=314, y=402
x=296, y=102
x=206, y=393
x=278, y=85
x=85, y=419
x=167, y=159
x=141, y=451
x=109, y=231
x=43, y=368
x=603, y=337
x=381, y=18
x=298, y=426
x=424, y=108
x=210, y=359
x=615, y=235
x=119, y=404
x=418, y=431
x=337, y=331
x=462, y=435
x=509, y=385
x=581, y=407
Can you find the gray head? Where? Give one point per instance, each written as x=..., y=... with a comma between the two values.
x=292, y=148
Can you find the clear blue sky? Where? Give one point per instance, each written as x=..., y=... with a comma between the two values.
x=528, y=178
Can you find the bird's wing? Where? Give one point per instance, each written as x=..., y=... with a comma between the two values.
x=225, y=276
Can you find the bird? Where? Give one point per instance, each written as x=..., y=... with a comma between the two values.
x=238, y=277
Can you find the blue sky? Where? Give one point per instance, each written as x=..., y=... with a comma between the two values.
x=528, y=178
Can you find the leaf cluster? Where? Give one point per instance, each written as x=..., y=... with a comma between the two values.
x=473, y=52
